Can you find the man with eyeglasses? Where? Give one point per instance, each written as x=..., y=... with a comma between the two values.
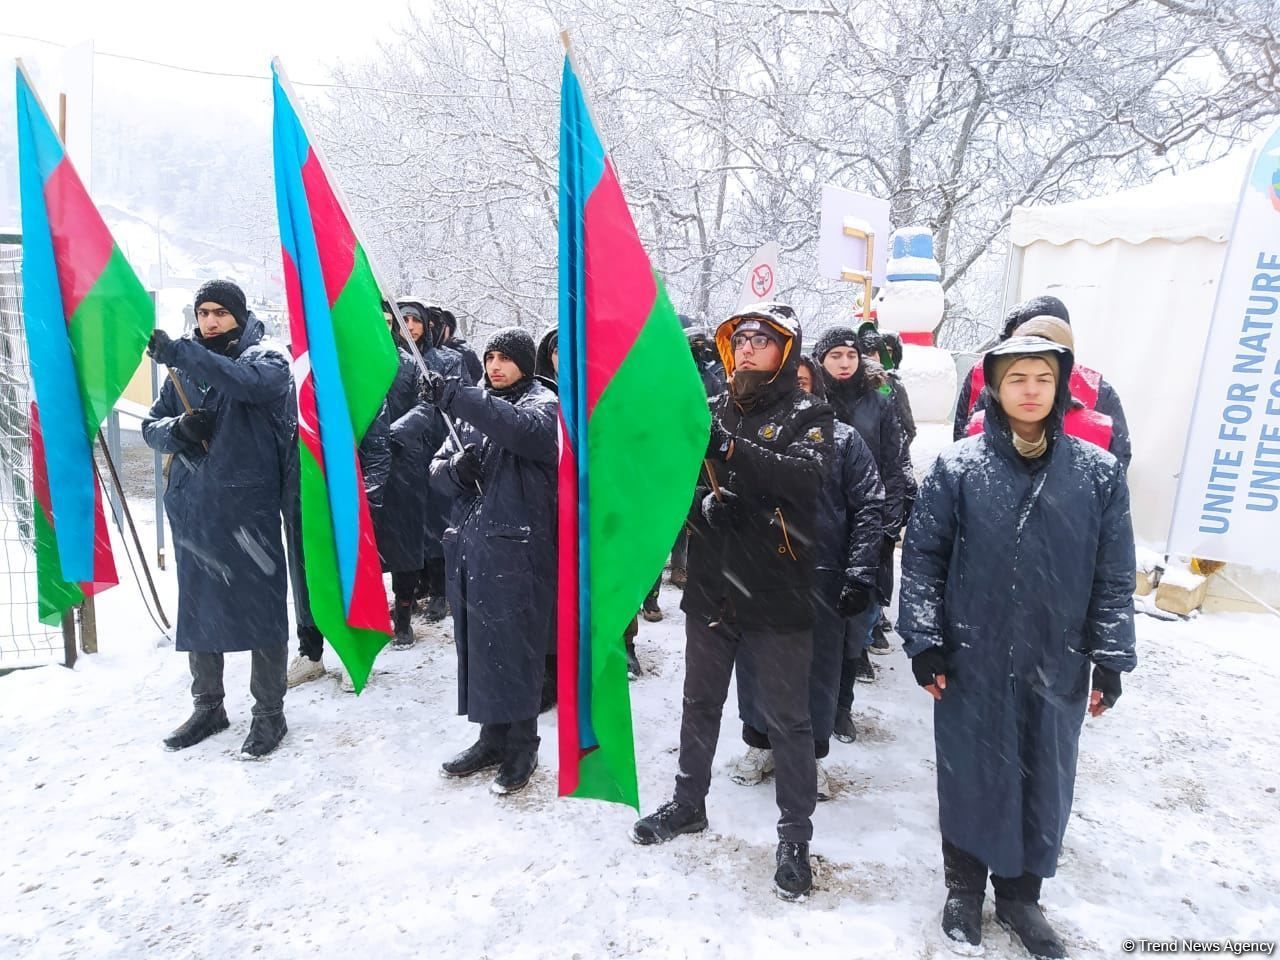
x=751, y=571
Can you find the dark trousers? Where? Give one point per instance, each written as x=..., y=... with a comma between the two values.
x=780, y=661
x=266, y=679
x=680, y=552
x=857, y=640
x=514, y=738
x=965, y=873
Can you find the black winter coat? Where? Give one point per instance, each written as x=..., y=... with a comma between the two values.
x=472, y=368
x=851, y=519
x=859, y=403
x=452, y=366
x=225, y=506
x=416, y=432
x=760, y=572
x=1022, y=573
x=500, y=555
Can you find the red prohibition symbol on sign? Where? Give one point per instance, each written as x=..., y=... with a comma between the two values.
x=762, y=280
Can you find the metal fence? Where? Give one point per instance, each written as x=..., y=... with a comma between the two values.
x=24, y=640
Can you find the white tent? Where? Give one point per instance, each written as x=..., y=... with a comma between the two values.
x=1138, y=271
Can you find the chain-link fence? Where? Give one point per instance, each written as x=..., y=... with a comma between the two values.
x=24, y=640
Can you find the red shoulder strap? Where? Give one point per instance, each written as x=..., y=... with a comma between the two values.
x=1085, y=384
x=1090, y=426
x=977, y=380
x=975, y=423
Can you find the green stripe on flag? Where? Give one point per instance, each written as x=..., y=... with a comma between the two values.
x=108, y=332
x=368, y=362
x=654, y=411
x=54, y=596
x=357, y=648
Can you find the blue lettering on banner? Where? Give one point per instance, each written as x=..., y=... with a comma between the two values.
x=1246, y=398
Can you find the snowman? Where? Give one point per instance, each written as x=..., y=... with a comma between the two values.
x=911, y=304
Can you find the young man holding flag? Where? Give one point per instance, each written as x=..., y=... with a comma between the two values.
x=228, y=486
x=500, y=553
x=751, y=573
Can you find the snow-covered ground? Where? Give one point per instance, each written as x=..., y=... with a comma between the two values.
x=347, y=842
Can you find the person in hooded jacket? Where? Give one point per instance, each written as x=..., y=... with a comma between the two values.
x=1017, y=579
x=227, y=491
x=858, y=390
x=428, y=328
x=850, y=523
x=1080, y=421
x=417, y=430
x=546, y=367
x=1089, y=389
x=501, y=552
x=471, y=365
x=874, y=346
x=749, y=597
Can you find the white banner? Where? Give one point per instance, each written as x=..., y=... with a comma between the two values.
x=761, y=282
x=1228, y=501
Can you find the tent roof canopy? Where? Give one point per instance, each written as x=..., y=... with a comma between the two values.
x=1198, y=203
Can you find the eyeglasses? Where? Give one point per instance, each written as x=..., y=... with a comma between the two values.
x=758, y=341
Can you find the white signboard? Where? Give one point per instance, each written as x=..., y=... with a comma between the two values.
x=1228, y=501
x=837, y=250
x=761, y=282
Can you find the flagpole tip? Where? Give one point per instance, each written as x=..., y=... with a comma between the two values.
x=564, y=39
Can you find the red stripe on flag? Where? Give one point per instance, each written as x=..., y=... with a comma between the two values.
x=104, y=562
x=304, y=384
x=82, y=244
x=368, y=607
x=335, y=240
x=567, y=665
x=619, y=280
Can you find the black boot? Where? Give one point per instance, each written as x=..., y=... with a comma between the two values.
x=1026, y=921
x=793, y=879
x=879, y=638
x=204, y=722
x=265, y=734
x=436, y=609
x=962, y=918
x=477, y=757
x=634, y=670
x=403, y=638
x=863, y=672
x=650, y=610
x=514, y=772
x=668, y=821
x=844, y=730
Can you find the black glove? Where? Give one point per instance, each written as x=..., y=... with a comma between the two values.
x=437, y=390
x=1107, y=682
x=927, y=664
x=467, y=466
x=160, y=346
x=854, y=599
x=721, y=441
x=721, y=514
x=195, y=427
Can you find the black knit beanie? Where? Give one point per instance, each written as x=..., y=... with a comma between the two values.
x=225, y=294
x=835, y=337
x=516, y=344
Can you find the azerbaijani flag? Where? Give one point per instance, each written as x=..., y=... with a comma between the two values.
x=87, y=320
x=634, y=424
x=343, y=364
